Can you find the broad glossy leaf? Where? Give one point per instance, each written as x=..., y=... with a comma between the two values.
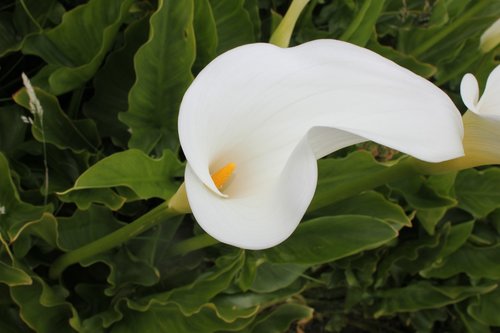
x=145, y=176
x=477, y=262
x=369, y=203
x=234, y=27
x=336, y=176
x=168, y=318
x=58, y=128
x=471, y=325
x=477, y=191
x=28, y=17
x=438, y=40
x=44, y=309
x=16, y=215
x=192, y=297
x=112, y=83
x=424, y=295
x=163, y=71
x=13, y=276
x=12, y=129
x=206, y=34
x=280, y=319
x=271, y=277
x=86, y=197
x=331, y=238
x=85, y=226
x=406, y=60
x=75, y=49
x=485, y=308
x=363, y=24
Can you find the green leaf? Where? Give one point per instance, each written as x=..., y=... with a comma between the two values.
x=485, y=308
x=12, y=129
x=206, y=34
x=147, y=177
x=27, y=18
x=43, y=308
x=75, y=49
x=335, y=175
x=271, y=277
x=424, y=295
x=280, y=319
x=477, y=191
x=163, y=71
x=370, y=204
x=13, y=276
x=85, y=226
x=406, y=60
x=331, y=238
x=234, y=27
x=363, y=24
x=15, y=215
x=192, y=297
x=112, y=84
x=168, y=318
x=84, y=198
x=57, y=128
x=477, y=262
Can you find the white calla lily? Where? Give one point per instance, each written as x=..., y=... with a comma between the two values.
x=481, y=122
x=270, y=112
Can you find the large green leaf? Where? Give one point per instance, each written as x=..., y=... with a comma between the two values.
x=13, y=276
x=12, y=130
x=206, y=34
x=477, y=191
x=337, y=176
x=331, y=238
x=280, y=319
x=112, y=84
x=15, y=215
x=369, y=203
x=234, y=27
x=27, y=18
x=163, y=71
x=44, y=309
x=168, y=318
x=485, y=308
x=145, y=176
x=424, y=295
x=477, y=262
x=363, y=24
x=75, y=49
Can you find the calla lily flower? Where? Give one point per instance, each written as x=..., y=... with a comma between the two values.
x=481, y=121
x=256, y=119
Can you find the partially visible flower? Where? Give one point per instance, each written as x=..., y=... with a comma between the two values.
x=490, y=38
x=482, y=121
x=268, y=113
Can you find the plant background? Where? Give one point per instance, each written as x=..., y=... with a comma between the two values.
x=420, y=254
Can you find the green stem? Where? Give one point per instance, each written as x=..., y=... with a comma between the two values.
x=442, y=33
x=281, y=36
x=192, y=244
x=157, y=215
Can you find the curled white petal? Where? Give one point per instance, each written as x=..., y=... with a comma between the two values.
x=273, y=111
x=469, y=90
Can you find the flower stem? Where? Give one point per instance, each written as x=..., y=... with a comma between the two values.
x=157, y=215
x=192, y=244
x=281, y=36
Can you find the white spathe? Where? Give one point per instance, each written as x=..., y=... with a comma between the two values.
x=489, y=104
x=482, y=121
x=273, y=111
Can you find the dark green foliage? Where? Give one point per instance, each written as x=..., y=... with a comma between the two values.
x=421, y=254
